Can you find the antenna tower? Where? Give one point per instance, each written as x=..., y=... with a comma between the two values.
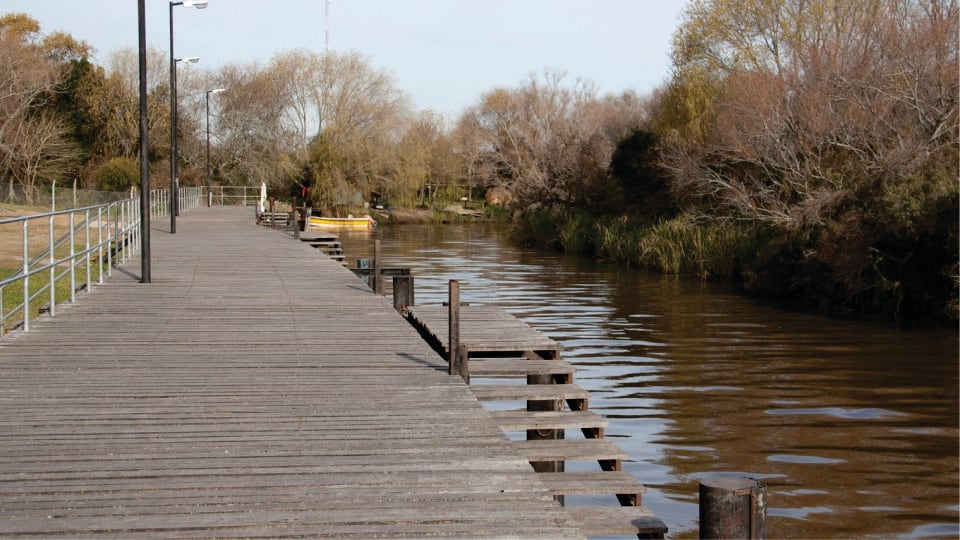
x=326, y=33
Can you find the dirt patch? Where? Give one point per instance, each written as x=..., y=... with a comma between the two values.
x=11, y=236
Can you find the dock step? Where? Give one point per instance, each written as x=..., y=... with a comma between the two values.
x=597, y=520
x=528, y=392
x=618, y=483
x=491, y=368
x=516, y=420
x=570, y=450
x=270, y=219
x=327, y=243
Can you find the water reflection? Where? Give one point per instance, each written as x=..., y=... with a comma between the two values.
x=852, y=427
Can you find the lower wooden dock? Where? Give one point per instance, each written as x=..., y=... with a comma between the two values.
x=255, y=389
x=494, y=345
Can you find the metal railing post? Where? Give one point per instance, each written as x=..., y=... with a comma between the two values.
x=111, y=238
x=73, y=261
x=100, y=246
x=53, y=267
x=122, y=233
x=26, y=276
x=134, y=229
x=86, y=249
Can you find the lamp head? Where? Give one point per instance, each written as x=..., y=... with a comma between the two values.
x=189, y=59
x=216, y=90
x=199, y=4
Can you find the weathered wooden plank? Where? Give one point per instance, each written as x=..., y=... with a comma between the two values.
x=528, y=392
x=597, y=520
x=518, y=368
x=592, y=483
x=570, y=450
x=521, y=419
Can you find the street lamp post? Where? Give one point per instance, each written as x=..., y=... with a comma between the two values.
x=144, y=149
x=174, y=125
x=175, y=181
x=209, y=192
x=174, y=204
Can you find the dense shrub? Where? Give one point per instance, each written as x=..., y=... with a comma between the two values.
x=118, y=174
x=538, y=226
x=578, y=234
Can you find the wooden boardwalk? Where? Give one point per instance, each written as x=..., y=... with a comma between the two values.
x=255, y=389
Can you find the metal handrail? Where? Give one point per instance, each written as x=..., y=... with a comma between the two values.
x=247, y=195
x=116, y=227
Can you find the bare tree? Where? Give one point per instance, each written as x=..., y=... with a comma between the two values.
x=363, y=117
x=253, y=138
x=302, y=73
x=548, y=141
x=41, y=150
x=818, y=99
x=26, y=135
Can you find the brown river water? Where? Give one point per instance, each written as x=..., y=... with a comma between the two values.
x=853, y=427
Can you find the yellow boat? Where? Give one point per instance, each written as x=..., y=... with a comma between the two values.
x=324, y=222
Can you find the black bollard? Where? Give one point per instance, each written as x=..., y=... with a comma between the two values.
x=733, y=508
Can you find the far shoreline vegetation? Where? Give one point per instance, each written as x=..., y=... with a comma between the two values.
x=805, y=151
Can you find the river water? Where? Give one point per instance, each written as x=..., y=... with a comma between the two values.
x=853, y=427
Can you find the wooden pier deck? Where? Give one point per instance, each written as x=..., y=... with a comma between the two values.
x=256, y=388
x=494, y=345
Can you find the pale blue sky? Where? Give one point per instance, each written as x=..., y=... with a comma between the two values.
x=443, y=53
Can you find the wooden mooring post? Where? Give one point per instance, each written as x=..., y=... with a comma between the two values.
x=457, y=361
x=402, y=292
x=377, y=278
x=733, y=508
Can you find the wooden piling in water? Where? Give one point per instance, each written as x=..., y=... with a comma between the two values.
x=377, y=278
x=545, y=434
x=457, y=361
x=402, y=292
x=733, y=508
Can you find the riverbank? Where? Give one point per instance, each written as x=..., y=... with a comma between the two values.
x=822, y=270
x=448, y=214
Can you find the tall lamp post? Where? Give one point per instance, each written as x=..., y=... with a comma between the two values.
x=199, y=4
x=144, y=166
x=175, y=181
x=209, y=188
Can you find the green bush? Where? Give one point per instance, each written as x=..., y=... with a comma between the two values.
x=118, y=174
x=538, y=226
x=495, y=212
x=619, y=240
x=676, y=246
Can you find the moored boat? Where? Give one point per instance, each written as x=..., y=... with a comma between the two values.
x=325, y=222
